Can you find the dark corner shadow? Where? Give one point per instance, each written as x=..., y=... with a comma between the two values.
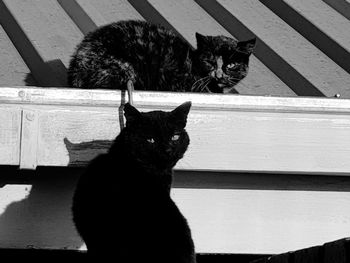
x=30, y=80
x=36, y=210
x=41, y=79
x=260, y=181
x=81, y=153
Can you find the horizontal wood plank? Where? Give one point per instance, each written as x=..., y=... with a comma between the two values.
x=113, y=98
x=228, y=132
x=263, y=221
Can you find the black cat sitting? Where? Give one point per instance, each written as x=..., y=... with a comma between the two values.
x=122, y=206
x=155, y=58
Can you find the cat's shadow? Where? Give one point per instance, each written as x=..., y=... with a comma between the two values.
x=81, y=153
x=37, y=211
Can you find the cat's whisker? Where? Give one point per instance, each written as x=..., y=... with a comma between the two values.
x=197, y=84
x=203, y=84
x=234, y=78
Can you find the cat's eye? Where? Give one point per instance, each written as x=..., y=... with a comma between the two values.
x=175, y=137
x=232, y=65
x=150, y=140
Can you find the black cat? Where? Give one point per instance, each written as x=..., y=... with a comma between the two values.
x=122, y=206
x=155, y=58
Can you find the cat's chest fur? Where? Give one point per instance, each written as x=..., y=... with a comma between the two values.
x=133, y=213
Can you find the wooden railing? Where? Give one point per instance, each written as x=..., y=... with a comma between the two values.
x=61, y=127
x=262, y=172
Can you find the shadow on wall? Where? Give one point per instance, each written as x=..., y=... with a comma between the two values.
x=81, y=153
x=36, y=210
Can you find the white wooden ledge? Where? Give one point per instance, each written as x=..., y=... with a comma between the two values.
x=227, y=212
x=61, y=127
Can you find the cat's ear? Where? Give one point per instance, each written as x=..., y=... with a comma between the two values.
x=179, y=115
x=131, y=113
x=246, y=46
x=202, y=41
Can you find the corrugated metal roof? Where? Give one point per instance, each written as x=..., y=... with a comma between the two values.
x=303, y=47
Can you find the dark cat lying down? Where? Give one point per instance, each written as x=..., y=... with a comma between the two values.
x=122, y=206
x=155, y=58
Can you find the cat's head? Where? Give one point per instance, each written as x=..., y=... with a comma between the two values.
x=157, y=138
x=221, y=62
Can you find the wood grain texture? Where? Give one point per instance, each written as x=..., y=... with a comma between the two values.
x=324, y=29
x=13, y=70
x=114, y=10
x=112, y=98
x=10, y=132
x=30, y=54
x=82, y=18
x=50, y=32
x=341, y=6
x=88, y=15
x=74, y=138
x=228, y=133
x=241, y=141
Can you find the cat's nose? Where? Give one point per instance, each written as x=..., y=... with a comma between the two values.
x=168, y=150
x=219, y=73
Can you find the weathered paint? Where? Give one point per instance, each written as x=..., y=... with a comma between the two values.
x=260, y=134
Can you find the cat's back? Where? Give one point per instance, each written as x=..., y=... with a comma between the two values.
x=127, y=35
x=128, y=50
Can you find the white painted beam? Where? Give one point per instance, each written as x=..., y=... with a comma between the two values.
x=10, y=135
x=228, y=132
